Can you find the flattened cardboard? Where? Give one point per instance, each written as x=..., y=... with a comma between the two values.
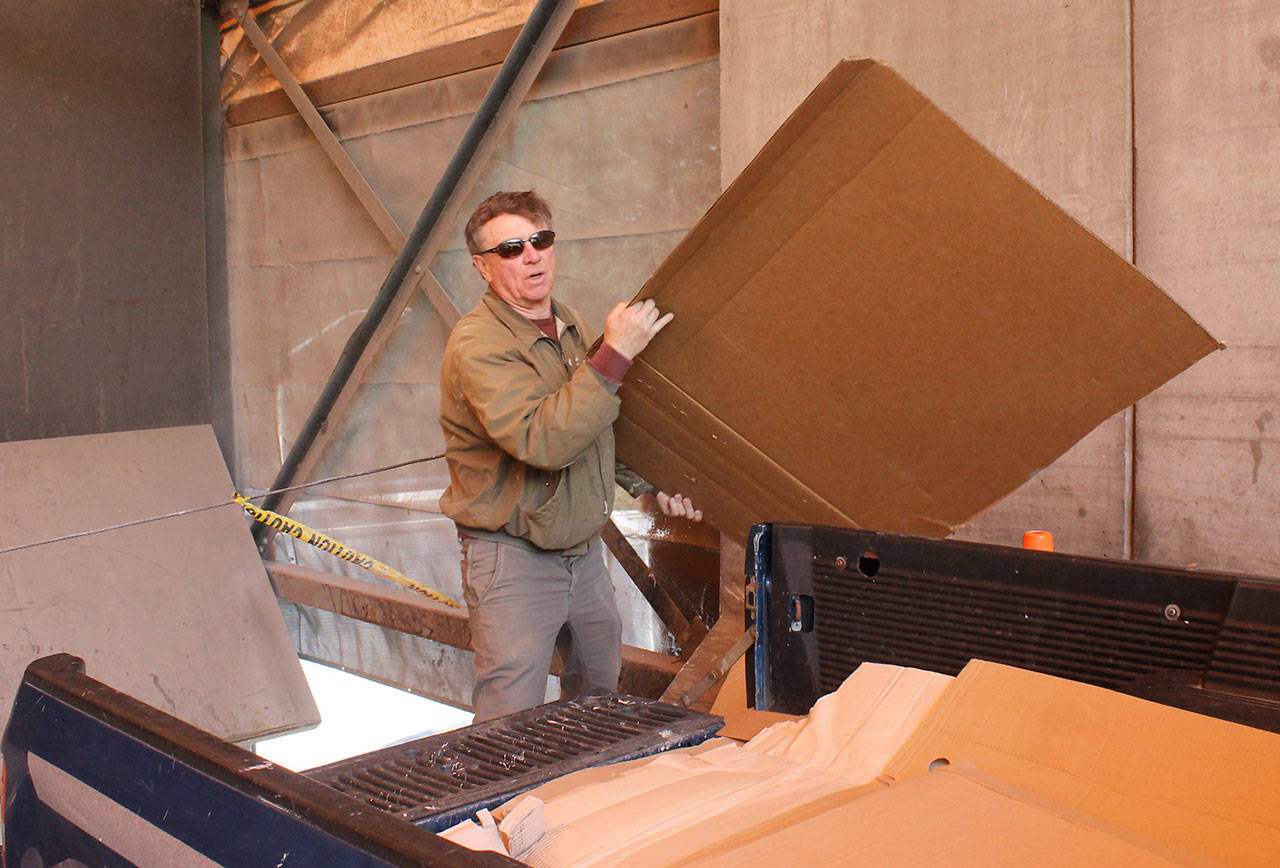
x=856, y=730
x=954, y=817
x=608, y=814
x=1201, y=784
x=177, y=612
x=653, y=810
x=879, y=324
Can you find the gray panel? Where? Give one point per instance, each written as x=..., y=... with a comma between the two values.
x=102, y=270
x=176, y=612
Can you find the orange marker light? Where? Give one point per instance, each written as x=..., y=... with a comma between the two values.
x=1040, y=540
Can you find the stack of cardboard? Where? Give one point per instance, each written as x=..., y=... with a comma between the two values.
x=999, y=766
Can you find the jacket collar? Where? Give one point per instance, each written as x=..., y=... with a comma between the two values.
x=520, y=327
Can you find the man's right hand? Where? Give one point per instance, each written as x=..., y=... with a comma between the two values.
x=630, y=327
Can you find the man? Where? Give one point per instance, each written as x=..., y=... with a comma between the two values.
x=528, y=436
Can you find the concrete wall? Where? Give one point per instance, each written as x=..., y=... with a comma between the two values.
x=1207, y=143
x=1156, y=129
x=102, y=234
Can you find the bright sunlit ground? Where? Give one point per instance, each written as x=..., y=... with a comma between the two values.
x=356, y=716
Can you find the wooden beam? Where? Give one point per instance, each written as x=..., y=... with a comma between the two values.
x=644, y=673
x=590, y=23
x=709, y=658
x=687, y=628
x=386, y=605
x=719, y=669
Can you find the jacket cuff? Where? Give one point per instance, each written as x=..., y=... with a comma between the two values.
x=611, y=364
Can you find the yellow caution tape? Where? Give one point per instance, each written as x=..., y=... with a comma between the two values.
x=333, y=547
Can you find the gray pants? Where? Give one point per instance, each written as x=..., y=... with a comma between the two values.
x=519, y=600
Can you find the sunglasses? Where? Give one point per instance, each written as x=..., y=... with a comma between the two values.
x=510, y=249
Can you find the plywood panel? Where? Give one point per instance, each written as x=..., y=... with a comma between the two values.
x=294, y=207
x=177, y=612
x=1044, y=85
x=1207, y=93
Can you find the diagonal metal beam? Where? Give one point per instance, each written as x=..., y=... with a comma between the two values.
x=532, y=47
x=356, y=181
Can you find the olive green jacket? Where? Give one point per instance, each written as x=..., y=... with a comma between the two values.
x=528, y=429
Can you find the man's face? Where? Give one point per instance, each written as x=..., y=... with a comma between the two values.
x=524, y=282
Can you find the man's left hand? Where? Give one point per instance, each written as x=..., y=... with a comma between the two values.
x=677, y=506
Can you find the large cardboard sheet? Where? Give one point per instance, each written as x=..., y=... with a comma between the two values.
x=957, y=817
x=996, y=69
x=879, y=324
x=177, y=612
x=1201, y=784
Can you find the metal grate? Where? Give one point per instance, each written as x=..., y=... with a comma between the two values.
x=439, y=780
x=940, y=624
x=1248, y=659
x=1248, y=653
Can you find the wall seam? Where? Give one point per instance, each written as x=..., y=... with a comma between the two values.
x=217, y=285
x=1131, y=414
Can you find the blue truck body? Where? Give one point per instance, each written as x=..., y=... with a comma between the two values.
x=93, y=776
